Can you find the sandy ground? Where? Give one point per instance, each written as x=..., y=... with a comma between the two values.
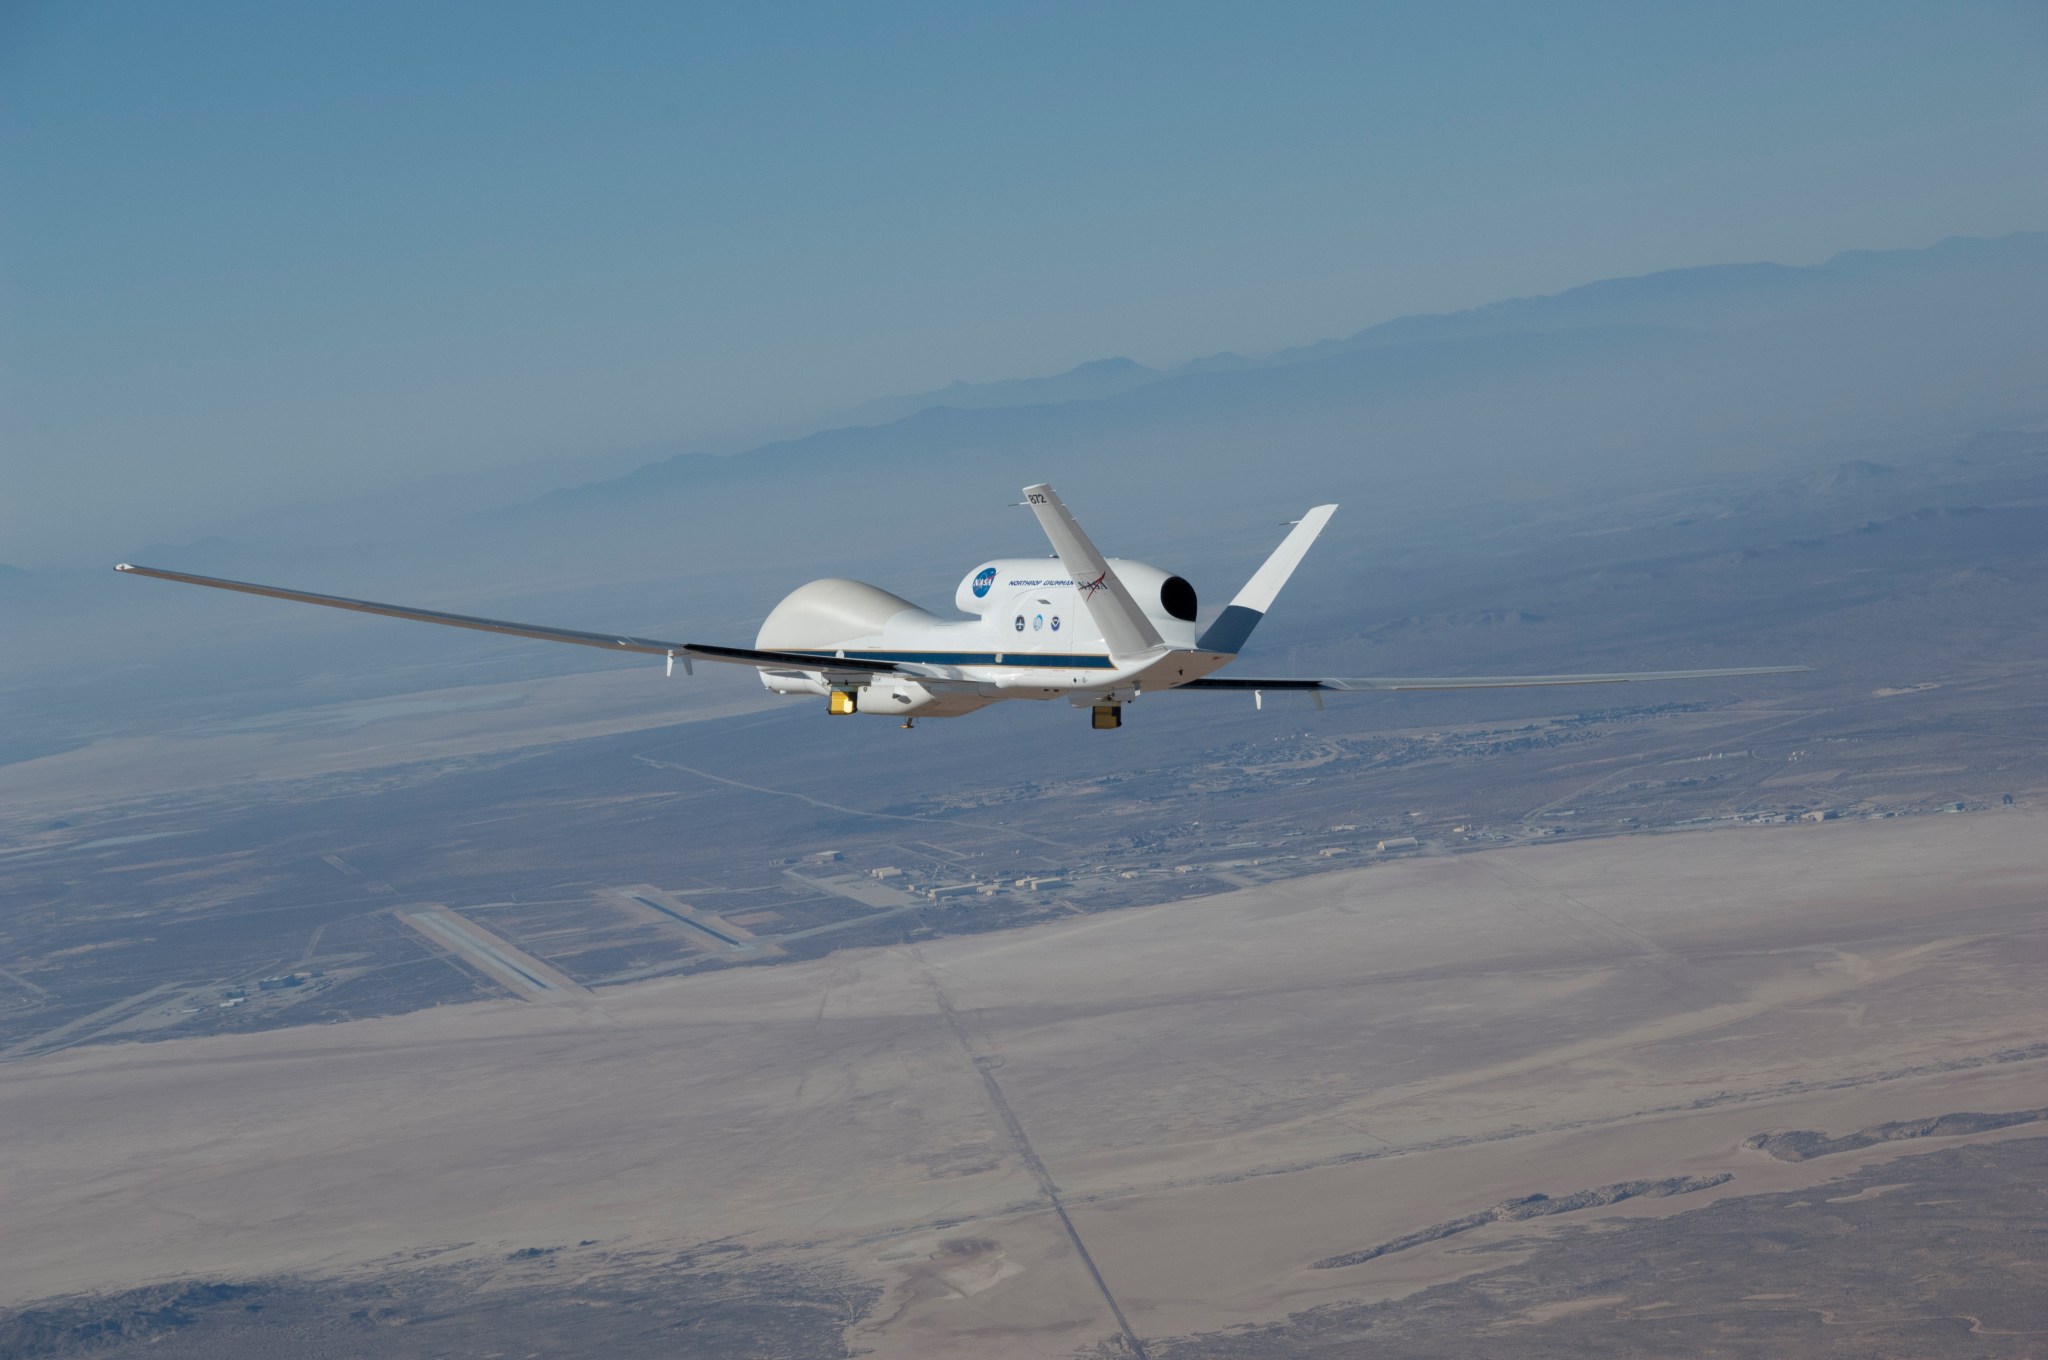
x=1223, y=1091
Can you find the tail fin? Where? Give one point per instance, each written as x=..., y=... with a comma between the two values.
x=1233, y=627
x=1124, y=626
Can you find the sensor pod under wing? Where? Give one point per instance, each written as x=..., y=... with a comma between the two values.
x=1097, y=631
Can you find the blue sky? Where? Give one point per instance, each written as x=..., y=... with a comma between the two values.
x=257, y=252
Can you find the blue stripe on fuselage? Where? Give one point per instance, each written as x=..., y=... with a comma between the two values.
x=1043, y=660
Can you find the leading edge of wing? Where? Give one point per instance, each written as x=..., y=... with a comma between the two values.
x=611, y=642
x=1361, y=684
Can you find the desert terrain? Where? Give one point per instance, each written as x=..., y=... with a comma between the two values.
x=1162, y=1129
x=410, y=1002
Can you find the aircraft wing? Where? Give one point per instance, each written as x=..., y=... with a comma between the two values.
x=1357, y=684
x=611, y=642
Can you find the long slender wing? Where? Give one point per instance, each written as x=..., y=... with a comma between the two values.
x=1354, y=684
x=611, y=642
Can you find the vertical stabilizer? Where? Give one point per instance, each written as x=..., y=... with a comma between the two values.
x=1124, y=626
x=1233, y=627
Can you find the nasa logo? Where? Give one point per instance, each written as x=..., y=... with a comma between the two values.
x=1037, y=622
x=1020, y=623
x=983, y=579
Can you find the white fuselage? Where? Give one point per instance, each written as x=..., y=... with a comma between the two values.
x=1029, y=635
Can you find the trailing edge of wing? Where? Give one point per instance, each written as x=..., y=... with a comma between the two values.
x=1359, y=684
x=796, y=661
x=611, y=642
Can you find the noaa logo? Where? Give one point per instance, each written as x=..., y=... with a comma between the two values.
x=983, y=579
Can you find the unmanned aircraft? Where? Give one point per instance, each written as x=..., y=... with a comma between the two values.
x=1096, y=631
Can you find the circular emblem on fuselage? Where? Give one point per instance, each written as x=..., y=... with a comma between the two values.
x=984, y=579
x=1020, y=623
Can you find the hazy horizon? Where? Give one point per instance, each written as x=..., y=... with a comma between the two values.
x=520, y=480
x=256, y=258
x=1596, y=912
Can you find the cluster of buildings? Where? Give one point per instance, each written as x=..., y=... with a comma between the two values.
x=234, y=998
x=284, y=980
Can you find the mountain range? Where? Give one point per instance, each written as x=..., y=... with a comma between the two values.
x=1432, y=431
